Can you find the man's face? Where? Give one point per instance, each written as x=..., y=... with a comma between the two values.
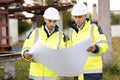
x=50, y=23
x=79, y=20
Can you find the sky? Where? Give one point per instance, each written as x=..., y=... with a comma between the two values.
x=114, y=4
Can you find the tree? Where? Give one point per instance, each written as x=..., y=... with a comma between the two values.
x=23, y=26
x=115, y=19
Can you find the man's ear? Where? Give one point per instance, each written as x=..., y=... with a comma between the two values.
x=85, y=15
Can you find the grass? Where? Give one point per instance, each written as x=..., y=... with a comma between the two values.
x=22, y=70
x=111, y=72
x=22, y=66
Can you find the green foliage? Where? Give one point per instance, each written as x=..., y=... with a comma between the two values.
x=1, y=73
x=90, y=16
x=22, y=69
x=23, y=26
x=49, y=2
x=40, y=22
x=66, y=19
x=113, y=69
x=111, y=72
x=115, y=19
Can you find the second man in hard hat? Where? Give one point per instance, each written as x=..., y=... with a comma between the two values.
x=50, y=35
x=82, y=29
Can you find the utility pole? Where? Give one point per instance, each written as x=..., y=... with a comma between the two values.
x=104, y=22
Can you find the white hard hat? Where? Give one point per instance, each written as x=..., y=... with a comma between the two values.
x=51, y=13
x=79, y=9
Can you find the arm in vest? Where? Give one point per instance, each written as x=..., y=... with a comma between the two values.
x=100, y=41
x=28, y=44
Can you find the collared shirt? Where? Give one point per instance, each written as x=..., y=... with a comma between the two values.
x=49, y=31
x=79, y=28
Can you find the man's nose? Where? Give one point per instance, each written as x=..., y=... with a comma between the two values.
x=52, y=23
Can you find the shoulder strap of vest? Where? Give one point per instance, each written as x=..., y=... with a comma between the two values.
x=36, y=35
x=91, y=31
x=60, y=38
x=91, y=36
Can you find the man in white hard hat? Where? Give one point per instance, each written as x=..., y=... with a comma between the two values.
x=82, y=29
x=50, y=36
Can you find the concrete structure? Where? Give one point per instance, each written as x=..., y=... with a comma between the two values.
x=13, y=26
x=104, y=22
x=115, y=30
x=95, y=14
x=117, y=12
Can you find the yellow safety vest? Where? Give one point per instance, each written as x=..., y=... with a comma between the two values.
x=94, y=62
x=52, y=41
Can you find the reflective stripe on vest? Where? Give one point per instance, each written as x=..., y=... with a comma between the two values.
x=91, y=32
x=44, y=78
x=92, y=55
x=36, y=35
x=93, y=71
x=60, y=38
x=102, y=41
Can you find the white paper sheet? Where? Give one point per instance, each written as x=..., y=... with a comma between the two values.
x=66, y=62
